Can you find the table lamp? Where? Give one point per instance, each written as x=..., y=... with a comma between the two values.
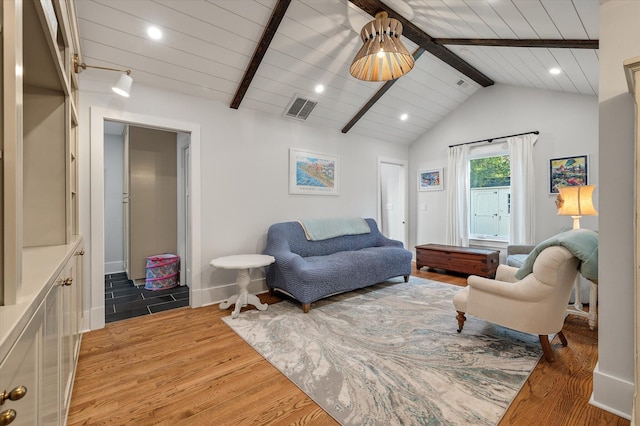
x=576, y=201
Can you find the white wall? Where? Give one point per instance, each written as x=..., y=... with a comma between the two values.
x=113, y=218
x=614, y=374
x=244, y=182
x=568, y=125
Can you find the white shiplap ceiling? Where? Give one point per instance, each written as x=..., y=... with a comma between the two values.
x=207, y=45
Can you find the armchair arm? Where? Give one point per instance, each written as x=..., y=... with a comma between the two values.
x=513, y=291
x=506, y=273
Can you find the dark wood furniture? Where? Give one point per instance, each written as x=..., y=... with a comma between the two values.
x=466, y=260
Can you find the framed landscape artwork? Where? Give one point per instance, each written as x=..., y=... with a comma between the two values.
x=430, y=180
x=568, y=171
x=312, y=173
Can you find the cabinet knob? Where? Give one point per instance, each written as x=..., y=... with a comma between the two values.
x=80, y=253
x=7, y=417
x=67, y=281
x=15, y=394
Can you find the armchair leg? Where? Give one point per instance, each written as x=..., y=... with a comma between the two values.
x=563, y=339
x=406, y=278
x=461, y=319
x=546, y=347
x=306, y=307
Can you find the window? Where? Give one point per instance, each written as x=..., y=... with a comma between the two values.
x=490, y=198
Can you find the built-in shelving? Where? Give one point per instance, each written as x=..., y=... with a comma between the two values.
x=40, y=252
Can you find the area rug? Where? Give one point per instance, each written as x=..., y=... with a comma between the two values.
x=389, y=354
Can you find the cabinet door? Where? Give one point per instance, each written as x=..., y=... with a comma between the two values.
x=21, y=367
x=77, y=312
x=67, y=284
x=50, y=383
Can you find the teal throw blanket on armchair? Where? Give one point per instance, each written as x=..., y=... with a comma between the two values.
x=583, y=243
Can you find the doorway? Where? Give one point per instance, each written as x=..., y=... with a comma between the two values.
x=143, y=168
x=190, y=135
x=392, y=199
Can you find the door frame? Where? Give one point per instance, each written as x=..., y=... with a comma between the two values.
x=405, y=165
x=96, y=260
x=126, y=196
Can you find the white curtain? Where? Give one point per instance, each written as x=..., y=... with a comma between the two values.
x=522, y=189
x=458, y=196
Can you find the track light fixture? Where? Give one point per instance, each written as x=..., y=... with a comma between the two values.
x=123, y=85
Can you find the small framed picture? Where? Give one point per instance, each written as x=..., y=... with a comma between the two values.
x=312, y=173
x=430, y=180
x=568, y=171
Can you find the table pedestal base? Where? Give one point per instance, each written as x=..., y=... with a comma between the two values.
x=243, y=298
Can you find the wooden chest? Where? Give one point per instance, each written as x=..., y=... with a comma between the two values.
x=466, y=260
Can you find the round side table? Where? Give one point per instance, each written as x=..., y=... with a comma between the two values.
x=243, y=263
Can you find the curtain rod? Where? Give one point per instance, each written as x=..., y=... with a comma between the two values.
x=537, y=132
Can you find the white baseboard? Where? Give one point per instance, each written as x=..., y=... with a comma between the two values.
x=612, y=394
x=96, y=317
x=113, y=267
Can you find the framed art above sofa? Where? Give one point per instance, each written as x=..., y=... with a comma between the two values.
x=313, y=173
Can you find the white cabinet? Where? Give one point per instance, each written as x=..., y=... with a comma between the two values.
x=42, y=358
x=22, y=367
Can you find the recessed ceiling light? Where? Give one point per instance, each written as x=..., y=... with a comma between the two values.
x=154, y=33
x=403, y=117
x=319, y=88
x=555, y=71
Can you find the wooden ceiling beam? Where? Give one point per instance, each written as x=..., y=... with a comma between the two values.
x=386, y=86
x=547, y=43
x=424, y=40
x=261, y=49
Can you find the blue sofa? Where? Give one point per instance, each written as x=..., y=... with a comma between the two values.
x=311, y=270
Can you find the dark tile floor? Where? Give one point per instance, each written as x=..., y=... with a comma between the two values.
x=123, y=299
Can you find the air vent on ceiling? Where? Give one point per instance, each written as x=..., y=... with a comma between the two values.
x=300, y=107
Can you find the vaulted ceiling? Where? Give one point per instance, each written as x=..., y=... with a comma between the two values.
x=207, y=47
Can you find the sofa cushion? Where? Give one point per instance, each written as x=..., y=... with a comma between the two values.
x=516, y=260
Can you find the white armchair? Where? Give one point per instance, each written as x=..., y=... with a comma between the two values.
x=537, y=304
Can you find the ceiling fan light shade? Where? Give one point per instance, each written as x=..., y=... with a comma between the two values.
x=123, y=86
x=382, y=56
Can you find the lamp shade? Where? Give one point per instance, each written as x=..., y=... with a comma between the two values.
x=576, y=201
x=382, y=56
x=123, y=86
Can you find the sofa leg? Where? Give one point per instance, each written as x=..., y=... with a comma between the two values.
x=406, y=278
x=461, y=319
x=306, y=307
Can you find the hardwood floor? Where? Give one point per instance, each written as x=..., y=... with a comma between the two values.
x=186, y=366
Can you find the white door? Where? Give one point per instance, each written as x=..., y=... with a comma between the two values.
x=484, y=207
x=126, y=235
x=392, y=199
